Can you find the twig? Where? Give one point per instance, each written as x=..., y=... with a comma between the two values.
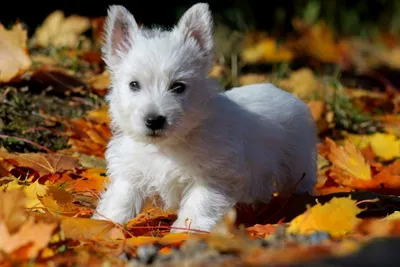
x=290, y=194
x=3, y=136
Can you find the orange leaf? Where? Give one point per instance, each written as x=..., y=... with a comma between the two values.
x=260, y=230
x=31, y=236
x=82, y=228
x=12, y=209
x=81, y=180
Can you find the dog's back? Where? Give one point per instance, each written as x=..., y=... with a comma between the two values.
x=279, y=106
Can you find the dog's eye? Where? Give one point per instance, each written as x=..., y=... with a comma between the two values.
x=134, y=86
x=178, y=87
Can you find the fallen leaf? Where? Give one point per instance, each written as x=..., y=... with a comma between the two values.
x=337, y=217
x=32, y=191
x=394, y=216
x=12, y=209
x=58, y=201
x=61, y=31
x=302, y=83
x=266, y=50
x=40, y=162
x=385, y=146
x=262, y=231
x=27, y=242
x=13, y=52
x=347, y=160
x=83, y=180
x=82, y=228
x=100, y=83
x=317, y=41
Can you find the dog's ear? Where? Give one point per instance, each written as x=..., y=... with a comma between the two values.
x=197, y=23
x=120, y=29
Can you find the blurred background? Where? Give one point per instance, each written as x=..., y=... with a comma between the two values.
x=348, y=17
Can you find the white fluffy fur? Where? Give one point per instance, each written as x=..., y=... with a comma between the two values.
x=218, y=148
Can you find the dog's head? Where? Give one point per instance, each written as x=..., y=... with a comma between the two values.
x=159, y=87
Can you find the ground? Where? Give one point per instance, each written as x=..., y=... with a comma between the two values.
x=54, y=128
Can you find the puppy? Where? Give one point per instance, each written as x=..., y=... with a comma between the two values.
x=178, y=136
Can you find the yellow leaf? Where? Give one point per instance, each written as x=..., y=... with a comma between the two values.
x=266, y=50
x=394, y=216
x=32, y=191
x=385, y=146
x=337, y=217
x=14, y=57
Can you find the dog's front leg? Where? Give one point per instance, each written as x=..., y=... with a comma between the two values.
x=202, y=206
x=120, y=202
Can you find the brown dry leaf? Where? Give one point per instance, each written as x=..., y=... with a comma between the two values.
x=61, y=31
x=82, y=228
x=40, y=162
x=301, y=83
x=337, y=217
x=62, y=81
x=12, y=209
x=13, y=52
x=28, y=241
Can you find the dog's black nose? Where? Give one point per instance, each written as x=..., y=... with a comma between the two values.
x=155, y=122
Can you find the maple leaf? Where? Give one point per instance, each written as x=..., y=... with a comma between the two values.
x=13, y=52
x=337, y=217
x=61, y=31
x=347, y=160
x=30, y=238
x=59, y=201
x=40, y=162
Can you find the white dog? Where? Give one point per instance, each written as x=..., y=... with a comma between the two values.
x=176, y=135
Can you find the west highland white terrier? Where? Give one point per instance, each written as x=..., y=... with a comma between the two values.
x=178, y=136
